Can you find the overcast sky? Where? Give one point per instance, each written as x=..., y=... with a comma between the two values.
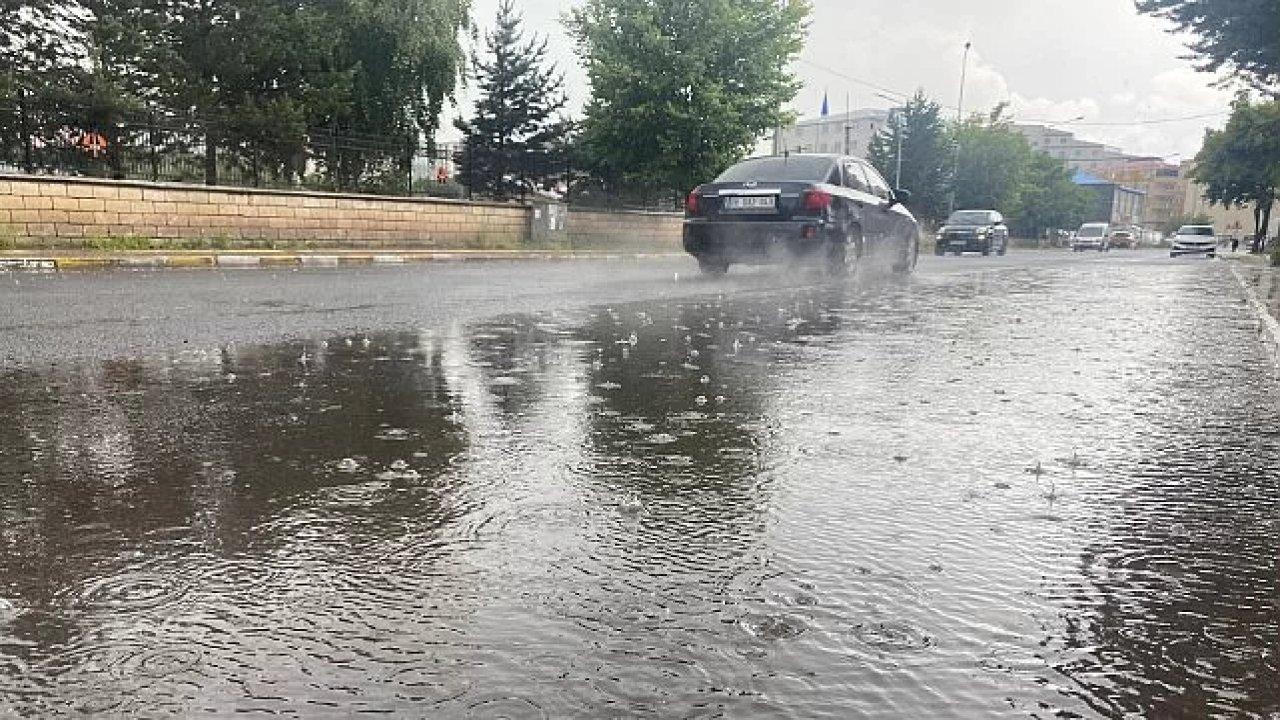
x=1053, y=60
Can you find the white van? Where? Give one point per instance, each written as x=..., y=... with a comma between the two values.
x=1092, y=236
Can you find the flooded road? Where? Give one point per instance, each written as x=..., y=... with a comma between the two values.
x=1029, y=487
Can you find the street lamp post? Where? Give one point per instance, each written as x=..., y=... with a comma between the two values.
x=955, y=169
x=897, y=174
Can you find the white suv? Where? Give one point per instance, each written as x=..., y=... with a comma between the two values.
x=1194, y=240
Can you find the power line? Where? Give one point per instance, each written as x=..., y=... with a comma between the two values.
x=852, y=79
x=1124, y=123
x=1161, y=121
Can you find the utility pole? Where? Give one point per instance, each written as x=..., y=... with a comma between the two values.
x=848, y=115
x=955, y=169
x=897, y=180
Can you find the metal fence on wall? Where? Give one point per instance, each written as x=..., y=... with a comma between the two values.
x=52, y=141
x=62, y=140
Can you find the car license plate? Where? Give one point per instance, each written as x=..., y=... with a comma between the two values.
x=751, y=203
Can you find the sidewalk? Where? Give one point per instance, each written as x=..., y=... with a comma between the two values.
x=90, y=260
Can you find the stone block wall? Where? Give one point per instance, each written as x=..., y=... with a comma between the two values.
x=625, y=230
x=51, y=213
x=67, y=212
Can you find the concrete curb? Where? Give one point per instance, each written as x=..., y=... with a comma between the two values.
x=145, y=260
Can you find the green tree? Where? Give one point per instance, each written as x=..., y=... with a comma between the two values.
x=926, y=155
x=247, y=70
x=38, y=58
x=1047, y=198
x=510, y=140
x=1242, y=36
x=992, y=160
x=681, y=90
x=404, y=59
x=1240, y=164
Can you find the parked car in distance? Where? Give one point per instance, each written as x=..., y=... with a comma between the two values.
x=1123, y=239
x=1092, y=236
x=1194, y=240
x=981, y=231
x=831, y=209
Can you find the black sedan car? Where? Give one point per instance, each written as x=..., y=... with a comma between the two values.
x=829, y=208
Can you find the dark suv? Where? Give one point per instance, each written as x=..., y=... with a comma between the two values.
x=981, y=231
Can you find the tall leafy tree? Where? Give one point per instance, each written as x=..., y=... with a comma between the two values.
x=248, y=70
x=681, y=89
x=1048, y=198
x=991, y=165
x=362, y=81
x=926, y=155
x=510, y=141
x=1242, y=36
x=1240, y=164
x=404, y=59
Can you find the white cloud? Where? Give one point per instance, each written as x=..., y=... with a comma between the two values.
x=1052, y=61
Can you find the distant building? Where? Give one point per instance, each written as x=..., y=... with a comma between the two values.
x=1112, y=203
x=1228, y=222
x=1065, y=146
x=844, y=133
x=1162, y=184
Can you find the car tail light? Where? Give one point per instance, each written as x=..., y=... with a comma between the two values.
x=693, y=203
x=816, y=200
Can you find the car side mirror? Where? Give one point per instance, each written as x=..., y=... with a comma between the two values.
x=900, y=195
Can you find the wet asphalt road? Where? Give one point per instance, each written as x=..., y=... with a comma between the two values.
x=1036, y=486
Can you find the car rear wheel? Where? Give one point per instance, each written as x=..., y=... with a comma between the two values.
x=906, y=262
x=839, y=252
x=712, y=265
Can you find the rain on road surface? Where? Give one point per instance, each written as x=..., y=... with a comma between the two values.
x=1037, y=486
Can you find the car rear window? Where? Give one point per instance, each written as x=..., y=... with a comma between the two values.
x=1092, y=231
x=780, y=169
x=1195, y=230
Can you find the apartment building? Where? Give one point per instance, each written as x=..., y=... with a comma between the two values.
x=1161, y=184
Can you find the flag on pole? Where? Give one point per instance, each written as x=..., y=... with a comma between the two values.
x=826, y=106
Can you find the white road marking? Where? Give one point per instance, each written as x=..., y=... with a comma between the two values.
x=1268, y=320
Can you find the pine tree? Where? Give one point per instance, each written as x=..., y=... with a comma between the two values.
x=509, y=143
x=926, y=155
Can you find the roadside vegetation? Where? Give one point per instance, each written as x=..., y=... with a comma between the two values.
x=986, y=162
x=514, y=141
x=680, y=91
x=260, y=79
x=1240, y=164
